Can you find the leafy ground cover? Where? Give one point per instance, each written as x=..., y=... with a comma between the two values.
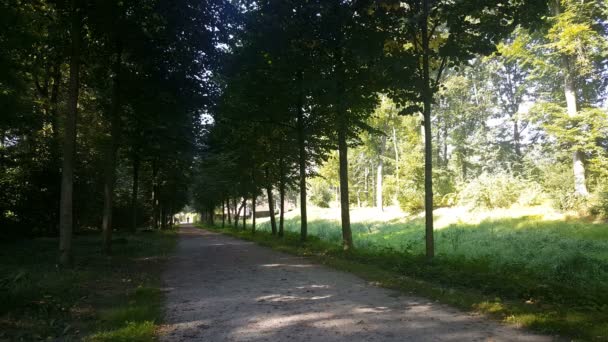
x=100, y=298
x=550, y=275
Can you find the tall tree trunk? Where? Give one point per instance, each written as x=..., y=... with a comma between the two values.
x=110, y=164
x=155, y=199
x=379, y=182
x=56, y=141
x=428, y=139
x=379, y=174
x=228, y=210
x=580, y=187
x=253, y=202
x=244, y=212
x=273, y=223
x=223, y=214
x=302, y=162
x=347, y=238
x=69, y=143
x=395, y=144
x=282, y=198
x=341, y=113
x=212, y=216
x=516, y=138
x=236, y=214
x=134, y=192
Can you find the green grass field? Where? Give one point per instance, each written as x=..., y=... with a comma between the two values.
x=547, y=274
x=100, y=298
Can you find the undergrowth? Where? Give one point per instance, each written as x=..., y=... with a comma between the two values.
x=100, y=298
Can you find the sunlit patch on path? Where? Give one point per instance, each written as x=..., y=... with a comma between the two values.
x=222, y=289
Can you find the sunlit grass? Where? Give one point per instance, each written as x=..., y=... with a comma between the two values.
x=529, y=266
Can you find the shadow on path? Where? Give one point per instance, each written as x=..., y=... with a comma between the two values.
x=223, y=289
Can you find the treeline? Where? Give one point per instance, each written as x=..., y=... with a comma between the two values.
x=303, y=79
x=101, y=104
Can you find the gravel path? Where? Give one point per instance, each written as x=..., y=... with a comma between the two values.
x=223, y=289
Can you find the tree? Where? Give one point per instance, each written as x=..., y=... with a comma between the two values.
x=438, y=35
x=69, y=141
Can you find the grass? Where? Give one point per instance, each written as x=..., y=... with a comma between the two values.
x=100, y=298
x=548, y=275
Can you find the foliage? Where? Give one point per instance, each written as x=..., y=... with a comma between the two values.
x=499, y=190
x=320, y=194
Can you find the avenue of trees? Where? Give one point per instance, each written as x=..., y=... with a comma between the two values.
x=116, y=114
x=101, y=104
x=425, y=103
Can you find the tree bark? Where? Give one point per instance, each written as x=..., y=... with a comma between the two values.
x=379, y=174
x=428, y=139
x=69, y=143
x=236, y=215
x=302, y=162
x=134, y=192
x=253, y=200
x=282, y=198
x=580, y=187
x=244, y=212
x=223, y=214
x=273, y=223
x=395, y=144
x=155, y=200
x=112, y=150
x=228, y=210
x=347, y=238
x=341, y=115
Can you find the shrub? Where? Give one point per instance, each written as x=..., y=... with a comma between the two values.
x=598, y=202
x=499, y=190
x=320, y=194
x=411, y=200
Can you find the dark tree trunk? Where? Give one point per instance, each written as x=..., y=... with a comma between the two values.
x=302, y=163
x=253, y=200
x=273, y=223
x=223, y=214
x=282, y=198
x=228, y=210
x=163, y=218
x=134, y=192
x=69, y=143
x=112, y=150
x=428, y=139
x=155, y=199
x=347, y=237
x=236, y=214
x=244, y=212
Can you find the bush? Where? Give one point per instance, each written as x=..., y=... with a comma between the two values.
x=500, y=190
x=320, y=194
x=411, y=200
x=598, y=202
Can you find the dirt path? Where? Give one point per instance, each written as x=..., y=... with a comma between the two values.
x=223, y=289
